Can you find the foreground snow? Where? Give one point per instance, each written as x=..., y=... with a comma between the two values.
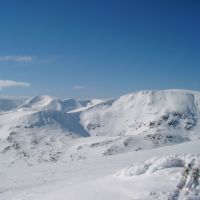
x=149, y=174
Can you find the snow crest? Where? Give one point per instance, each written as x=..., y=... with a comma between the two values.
x=155, y=164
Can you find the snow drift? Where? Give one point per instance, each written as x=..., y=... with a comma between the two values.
x=155, y=164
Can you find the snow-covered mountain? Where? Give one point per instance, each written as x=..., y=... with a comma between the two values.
x=133, y=122
x=143, y=120
x=137, y=113
x=73, y=148
x=43, y=102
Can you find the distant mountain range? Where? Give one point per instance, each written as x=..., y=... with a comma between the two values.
x=44, y=128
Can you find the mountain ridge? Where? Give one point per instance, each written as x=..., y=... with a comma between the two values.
x=50, y=129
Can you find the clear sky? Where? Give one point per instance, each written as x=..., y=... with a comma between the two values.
x=98, y=48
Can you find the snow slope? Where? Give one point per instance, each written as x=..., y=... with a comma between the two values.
x=136, y=113
x=133, y=122
x=99, y=149
x=116, y=177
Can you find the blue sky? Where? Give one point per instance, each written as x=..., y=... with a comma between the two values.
x=98, y=48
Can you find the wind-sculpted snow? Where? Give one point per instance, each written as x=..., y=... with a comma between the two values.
x=155, y=164
x=161, y=172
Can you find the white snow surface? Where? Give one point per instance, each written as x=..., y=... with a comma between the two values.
x=126, y=148
x=135, y=113
x=101, y=178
